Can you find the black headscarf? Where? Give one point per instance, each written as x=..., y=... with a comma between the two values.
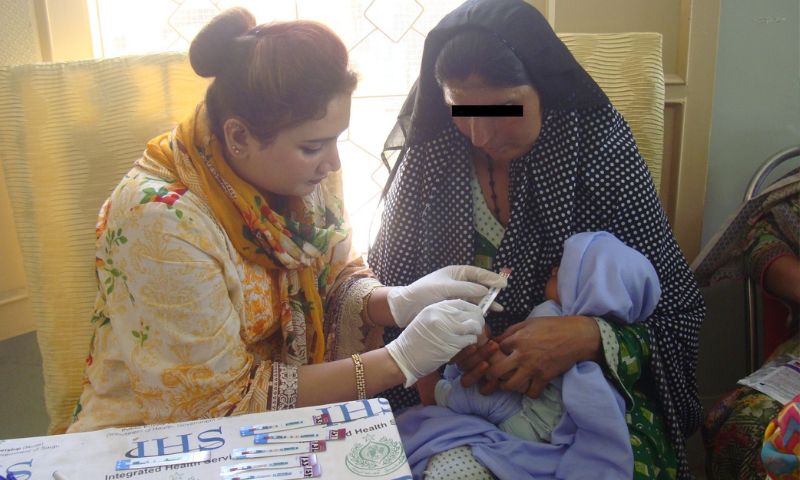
x=584, y=173
x=560, y=81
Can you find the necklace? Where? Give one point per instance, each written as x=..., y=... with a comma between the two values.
x=491, y=185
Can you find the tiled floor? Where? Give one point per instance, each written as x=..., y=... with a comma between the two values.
x=23, y=412
x=694, y=448
x=699, y=474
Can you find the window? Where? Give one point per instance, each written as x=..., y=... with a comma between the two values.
x=384, y=38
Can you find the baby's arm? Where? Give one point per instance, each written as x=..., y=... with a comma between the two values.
x=427, y=384
x=495, y=408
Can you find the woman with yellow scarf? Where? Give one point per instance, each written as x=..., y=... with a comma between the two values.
x=226, y=279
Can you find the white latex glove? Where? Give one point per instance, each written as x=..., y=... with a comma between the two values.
x=434, y=337
x=466, y=282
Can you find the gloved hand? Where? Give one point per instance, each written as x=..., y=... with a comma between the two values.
x=466, y=282
x=439, y=332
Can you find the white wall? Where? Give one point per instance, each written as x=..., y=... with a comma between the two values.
x=756, y=112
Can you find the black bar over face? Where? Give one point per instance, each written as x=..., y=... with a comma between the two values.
x=487, y=110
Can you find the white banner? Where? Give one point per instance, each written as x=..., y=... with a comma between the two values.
x=370, y=448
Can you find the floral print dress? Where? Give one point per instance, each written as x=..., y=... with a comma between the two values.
x=187, y=328
x=733, y=431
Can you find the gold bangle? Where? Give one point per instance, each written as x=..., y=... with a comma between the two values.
x=360, y=381
x=365, y=308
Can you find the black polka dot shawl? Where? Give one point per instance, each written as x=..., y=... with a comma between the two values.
x=584, y=173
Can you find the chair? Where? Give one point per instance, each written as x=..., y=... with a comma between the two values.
x=750, y=285
x=627, y=66
x=68, y=133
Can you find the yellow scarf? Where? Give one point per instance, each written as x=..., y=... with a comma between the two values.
x=300, y=243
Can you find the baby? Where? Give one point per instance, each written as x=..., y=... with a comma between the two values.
x=599, y=276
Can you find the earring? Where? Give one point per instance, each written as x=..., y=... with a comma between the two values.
x=236, y=129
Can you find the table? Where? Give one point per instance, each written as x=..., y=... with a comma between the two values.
x=371, y=447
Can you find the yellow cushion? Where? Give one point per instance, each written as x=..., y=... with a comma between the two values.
x=627, y=66
x=68, y=133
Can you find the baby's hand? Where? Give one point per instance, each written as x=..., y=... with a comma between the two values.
x=476, y=359
x=476, y=366
x=486, y=386
x=467, y=358
x=484, y=336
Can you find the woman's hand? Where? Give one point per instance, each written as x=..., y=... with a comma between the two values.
x=476, y=366
x=541, y=348
x=437, y=334
x=473, y=359
x=464, y=282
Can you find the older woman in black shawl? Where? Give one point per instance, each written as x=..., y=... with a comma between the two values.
x=507, y=192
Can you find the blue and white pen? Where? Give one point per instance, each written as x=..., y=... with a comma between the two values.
x=273, y=438
x=277, y=450
x=272, y=463
x=337, y=434
x=174, y=459
x=289, y=474
x=323, y=419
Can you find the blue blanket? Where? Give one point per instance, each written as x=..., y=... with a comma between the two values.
x=590, y=441
x=598, y=276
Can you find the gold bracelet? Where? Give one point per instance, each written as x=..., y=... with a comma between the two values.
x=360, y=381
x=365, y=308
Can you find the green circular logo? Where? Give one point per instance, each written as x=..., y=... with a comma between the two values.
x=375, y=458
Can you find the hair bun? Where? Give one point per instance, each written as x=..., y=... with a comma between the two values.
x=210, y=50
